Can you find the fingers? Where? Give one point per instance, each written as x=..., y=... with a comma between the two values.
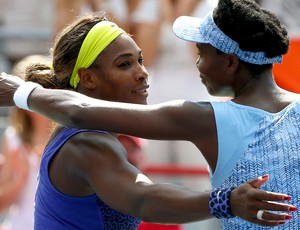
x=11, y=78
x=8, y=86
x=269, y=223
x=267, y=218
x=266, y=195
x=271, y=213
x=274, y=206
x=268, y=213
x=4, y=75
x=259, y=181
x=269, y=196
x=266, y=207
x=272, y=196
x=254, y=200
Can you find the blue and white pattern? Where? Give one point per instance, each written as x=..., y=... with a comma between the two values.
x=273, y=148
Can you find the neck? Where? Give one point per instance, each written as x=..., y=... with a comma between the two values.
x=262, y=87
x=245, y=86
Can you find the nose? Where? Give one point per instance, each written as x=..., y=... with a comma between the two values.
x=142, y=73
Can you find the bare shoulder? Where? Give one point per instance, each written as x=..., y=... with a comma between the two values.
x=198, y=119
x=198, y=107
x=86, y=151
x=92, y=145
x=289, y=97
x=184, y=114
x=85, y=156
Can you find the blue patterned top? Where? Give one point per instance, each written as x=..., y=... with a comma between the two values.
x=253, y=142
x=54, y=210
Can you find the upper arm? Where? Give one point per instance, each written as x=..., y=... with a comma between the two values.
x=102, y=164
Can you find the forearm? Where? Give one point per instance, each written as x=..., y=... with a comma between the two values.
x=61, y=107
x=162, y=121
x=77, y=110
x=180, y=205
x=165, y=203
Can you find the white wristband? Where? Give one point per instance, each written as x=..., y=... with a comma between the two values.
x=22, y=93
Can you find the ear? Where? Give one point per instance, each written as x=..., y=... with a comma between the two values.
x=87, y=77
x=232, y=64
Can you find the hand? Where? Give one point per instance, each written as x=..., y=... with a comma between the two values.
x=246, y=200
x=8, y=86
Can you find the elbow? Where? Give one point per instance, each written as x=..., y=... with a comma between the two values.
x=143, y=209
x=149, y=210
x=75, y=115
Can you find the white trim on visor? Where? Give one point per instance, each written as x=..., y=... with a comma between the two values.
x=204, y=30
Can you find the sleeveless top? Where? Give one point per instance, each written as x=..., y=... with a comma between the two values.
x=55, y=210
x=253, y=142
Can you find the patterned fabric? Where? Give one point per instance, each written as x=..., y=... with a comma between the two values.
x=54, y=210
x=272, y=149
x=219, y=203
x=113, y=220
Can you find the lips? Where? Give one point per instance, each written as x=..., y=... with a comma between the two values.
x=141, y=89
x=203, y=80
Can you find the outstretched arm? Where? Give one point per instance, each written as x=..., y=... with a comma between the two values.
x=245, y=203
x=175, y=120
x=106, y=168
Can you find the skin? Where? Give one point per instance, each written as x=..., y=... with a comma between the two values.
x=91, y=164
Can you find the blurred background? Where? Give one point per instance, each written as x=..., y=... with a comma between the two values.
x=27, y=30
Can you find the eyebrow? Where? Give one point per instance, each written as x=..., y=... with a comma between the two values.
x=126, y=55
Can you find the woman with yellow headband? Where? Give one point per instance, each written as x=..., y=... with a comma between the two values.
x=85, y=180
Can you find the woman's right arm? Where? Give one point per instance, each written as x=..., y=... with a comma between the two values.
x=126, y=189
x=173, y=120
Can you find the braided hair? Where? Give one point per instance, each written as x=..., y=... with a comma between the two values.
x=253, y=28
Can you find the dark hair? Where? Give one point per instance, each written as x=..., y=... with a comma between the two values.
x=253, y=28
x=64, y=54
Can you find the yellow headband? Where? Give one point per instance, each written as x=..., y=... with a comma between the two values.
x=97, y=39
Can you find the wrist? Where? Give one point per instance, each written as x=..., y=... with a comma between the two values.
x=219, y=203
x=22, y=94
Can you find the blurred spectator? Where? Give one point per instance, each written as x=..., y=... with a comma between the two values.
x=67, y=10
x=142, y=19
x=22, y=145
x=25, y=28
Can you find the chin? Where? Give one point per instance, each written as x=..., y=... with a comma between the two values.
x=225, y=92
x=140, y=101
